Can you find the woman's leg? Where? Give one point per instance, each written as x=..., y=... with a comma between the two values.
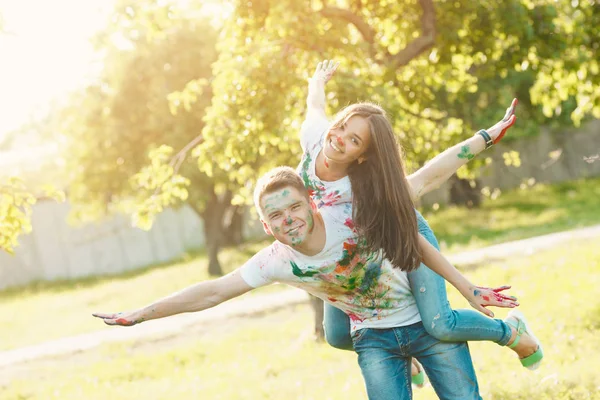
x=336, y=325
x=439, y=320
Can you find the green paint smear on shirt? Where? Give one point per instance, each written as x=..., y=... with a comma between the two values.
x=298, y=272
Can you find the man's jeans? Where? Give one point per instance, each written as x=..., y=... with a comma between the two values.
x=384, y=359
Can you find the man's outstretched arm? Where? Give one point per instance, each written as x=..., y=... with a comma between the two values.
x=197, y=297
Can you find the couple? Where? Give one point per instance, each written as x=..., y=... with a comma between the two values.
x=346, y=231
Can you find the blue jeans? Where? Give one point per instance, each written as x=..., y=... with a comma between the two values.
x=384, y=359
x=439, y=320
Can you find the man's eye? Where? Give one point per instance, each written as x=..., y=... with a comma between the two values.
x=275, y=216
x=295, y=207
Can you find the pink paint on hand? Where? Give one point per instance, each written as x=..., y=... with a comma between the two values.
x=123, y=321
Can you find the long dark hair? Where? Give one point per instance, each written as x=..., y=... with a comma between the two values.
x=383, y=211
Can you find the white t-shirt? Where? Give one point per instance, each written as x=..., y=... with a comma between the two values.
x=323, y=193
x=371, y=292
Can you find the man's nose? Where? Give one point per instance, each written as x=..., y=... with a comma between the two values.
x=288, y=219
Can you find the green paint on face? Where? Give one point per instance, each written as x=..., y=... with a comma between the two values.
x=310, y=220
x=298, y=272
x=465, y=153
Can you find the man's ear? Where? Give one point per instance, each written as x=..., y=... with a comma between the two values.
x=266, y=228
x=313, y=205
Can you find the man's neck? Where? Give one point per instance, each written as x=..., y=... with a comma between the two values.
x=315, y=240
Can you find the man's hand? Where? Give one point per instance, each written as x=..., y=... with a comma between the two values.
x=122, y=318
x=325, y=70
x=482, y=297
x=497, y=131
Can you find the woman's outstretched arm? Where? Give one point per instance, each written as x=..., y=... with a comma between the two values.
x=439, y=169
x=479, y=297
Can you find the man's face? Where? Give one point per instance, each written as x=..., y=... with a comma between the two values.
x=287, y=215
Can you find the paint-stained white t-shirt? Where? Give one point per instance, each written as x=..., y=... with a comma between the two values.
x=371, y=292
x=323, y=193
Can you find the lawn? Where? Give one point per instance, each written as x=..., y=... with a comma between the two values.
x=274, y=356
x=518, y=214
x=61, y=309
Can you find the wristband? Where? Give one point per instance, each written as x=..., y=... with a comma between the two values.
x=486, y=136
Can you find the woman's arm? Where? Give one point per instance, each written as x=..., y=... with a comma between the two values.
x=442, y=166
x=315, y=101
x=197, y=297
x=479, y=297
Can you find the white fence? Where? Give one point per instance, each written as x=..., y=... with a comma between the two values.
x=56, y=250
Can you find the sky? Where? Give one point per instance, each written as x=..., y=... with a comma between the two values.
x=45, y=53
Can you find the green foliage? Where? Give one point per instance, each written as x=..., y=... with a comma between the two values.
x=15, y=213
x=16, y=201
x=149, y=99
x=158, y=186
x=482, y=55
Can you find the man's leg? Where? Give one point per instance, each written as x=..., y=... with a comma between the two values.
x=447, y=364
x=385, y=369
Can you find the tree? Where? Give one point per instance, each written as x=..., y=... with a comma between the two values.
x=442, y=70
x=124, y=129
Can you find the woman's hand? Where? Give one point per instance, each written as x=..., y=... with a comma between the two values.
x=497, y=131
x=481, y=297
x=325, y=70
x=122, y=318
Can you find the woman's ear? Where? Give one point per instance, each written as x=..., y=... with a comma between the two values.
x=266, y=228
x=361, y=159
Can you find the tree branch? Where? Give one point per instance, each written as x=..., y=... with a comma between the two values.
x=424, y=42
x=364, y=28
x=413, y=49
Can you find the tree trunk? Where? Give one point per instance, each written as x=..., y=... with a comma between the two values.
x=213, y=216
x=317, y=306
x=462, y=193
x=234, y=226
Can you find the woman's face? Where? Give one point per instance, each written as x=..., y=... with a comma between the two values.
x=349, y=142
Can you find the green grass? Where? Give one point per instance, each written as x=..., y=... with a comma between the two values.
x=58, y=309
x=61, y=309
x=274, y=356
x=518, y=214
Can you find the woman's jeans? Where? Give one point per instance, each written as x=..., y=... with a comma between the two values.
x=384, y=359
x=439, y=320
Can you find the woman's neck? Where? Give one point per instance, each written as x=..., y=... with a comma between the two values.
x=329, y=170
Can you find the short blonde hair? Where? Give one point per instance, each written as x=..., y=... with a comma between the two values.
x=276, y=179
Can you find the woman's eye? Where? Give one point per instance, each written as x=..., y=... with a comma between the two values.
x=355, y=141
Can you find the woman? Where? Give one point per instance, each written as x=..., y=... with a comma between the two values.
x=356, y=159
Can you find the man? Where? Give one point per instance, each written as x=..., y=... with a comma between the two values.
x=318, y=251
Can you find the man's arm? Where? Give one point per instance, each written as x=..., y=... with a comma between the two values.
x=441, y=167
x=197, y=297
x=479, y=297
